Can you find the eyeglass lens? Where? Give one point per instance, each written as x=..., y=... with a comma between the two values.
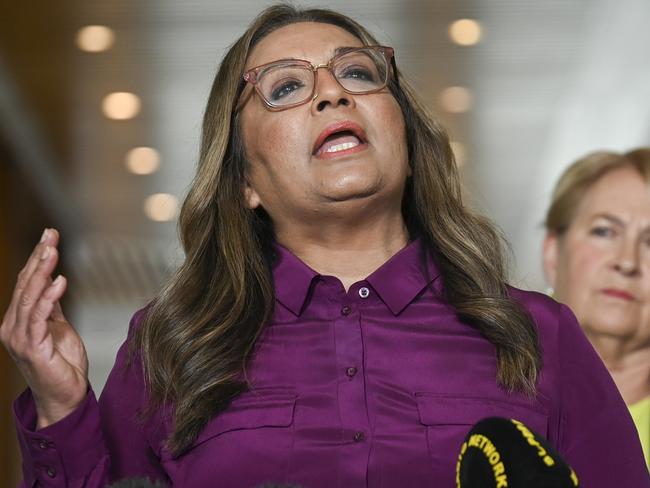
x=357, y=72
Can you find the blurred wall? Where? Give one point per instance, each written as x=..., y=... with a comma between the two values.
x=21, y=217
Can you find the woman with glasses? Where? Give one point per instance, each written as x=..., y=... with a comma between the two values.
x=340, y=319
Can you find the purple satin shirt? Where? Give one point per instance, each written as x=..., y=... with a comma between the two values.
x=376, y=387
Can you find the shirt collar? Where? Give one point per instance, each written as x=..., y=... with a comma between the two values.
x=400, y=279
x=397, y=282
x=291, y=279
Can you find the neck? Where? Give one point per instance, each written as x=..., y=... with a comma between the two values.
x=629, y=367
x=347, y=250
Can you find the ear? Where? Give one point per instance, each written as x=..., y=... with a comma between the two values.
x=550, y=252
x=251, y=197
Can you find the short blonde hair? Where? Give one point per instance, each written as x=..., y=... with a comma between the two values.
x=578, y=178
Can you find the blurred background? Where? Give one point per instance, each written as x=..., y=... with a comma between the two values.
x=101, y=105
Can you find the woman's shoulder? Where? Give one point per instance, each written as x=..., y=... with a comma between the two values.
x=545, y=311
x=559, y=332
x=556, y=324
x=137, y=320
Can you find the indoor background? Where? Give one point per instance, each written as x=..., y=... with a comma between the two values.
x=101, y=105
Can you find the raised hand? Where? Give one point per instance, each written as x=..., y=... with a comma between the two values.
x=46, y=348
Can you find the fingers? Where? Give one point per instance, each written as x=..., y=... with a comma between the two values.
x=38, y=328
x=39, y=339
x=37, y=283
x=49, y=239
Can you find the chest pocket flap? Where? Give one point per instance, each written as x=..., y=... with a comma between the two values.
x=436, y=410
x=252, y=410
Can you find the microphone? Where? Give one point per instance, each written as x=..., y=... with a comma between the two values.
x=503, y=453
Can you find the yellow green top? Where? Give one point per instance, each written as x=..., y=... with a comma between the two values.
x=641, y=414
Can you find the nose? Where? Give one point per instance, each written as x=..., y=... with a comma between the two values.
x=328, y=92
x=627, y=258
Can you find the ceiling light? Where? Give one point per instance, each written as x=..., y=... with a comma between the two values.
x=121, y=105
x=142, y=160
x=161, y=207
x=465, y=32
x=456, y=99
x=95, y=38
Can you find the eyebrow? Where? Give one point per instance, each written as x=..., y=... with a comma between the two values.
x=610, y=217
x=337, y=51
x=344, y=49
x=617, y=221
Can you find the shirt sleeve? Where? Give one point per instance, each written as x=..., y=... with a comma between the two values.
x=68, y=453
x=597, y=435
x=98, y=443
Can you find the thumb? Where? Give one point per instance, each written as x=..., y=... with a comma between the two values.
x=61, y=284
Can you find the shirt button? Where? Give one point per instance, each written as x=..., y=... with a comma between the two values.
x=346, y=310
x=364, y=292
x=51, y=472
x=359, y=437
x=351, y=371
x=43, y=444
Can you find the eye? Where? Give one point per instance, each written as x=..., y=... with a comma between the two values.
x=285, y=88
x=602, y=231
x=361, y=73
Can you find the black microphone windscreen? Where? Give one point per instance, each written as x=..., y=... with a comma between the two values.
x=500, y=453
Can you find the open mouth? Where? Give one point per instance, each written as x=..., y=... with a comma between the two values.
x=340, y=139
x=339, y=142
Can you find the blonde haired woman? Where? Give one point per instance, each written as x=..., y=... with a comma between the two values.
x=597, y=258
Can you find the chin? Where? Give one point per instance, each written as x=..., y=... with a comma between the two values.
x=614, y=324
x=352, y=190
x=351, y=196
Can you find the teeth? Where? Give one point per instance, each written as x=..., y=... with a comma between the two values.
x=342, y=147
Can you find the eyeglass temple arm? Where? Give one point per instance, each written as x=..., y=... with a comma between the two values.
x=239, y=101
x=394, y=65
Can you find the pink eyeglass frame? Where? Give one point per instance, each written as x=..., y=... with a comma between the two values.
x=251, y=75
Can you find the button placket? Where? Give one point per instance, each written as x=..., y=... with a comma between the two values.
x=351, y=386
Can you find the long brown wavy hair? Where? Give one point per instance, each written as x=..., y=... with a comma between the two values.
x=200, y=330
